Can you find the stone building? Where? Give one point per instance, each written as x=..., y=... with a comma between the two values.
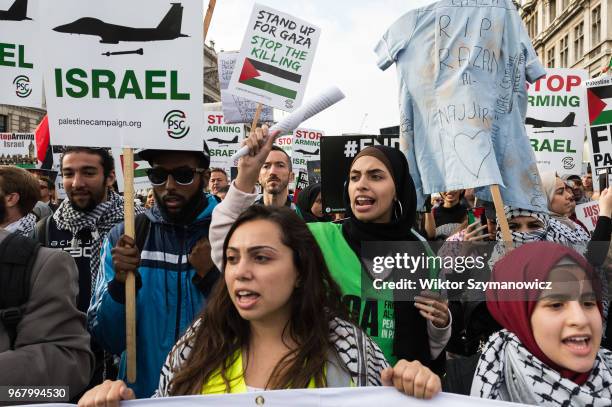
x=212, y=92
x=570, y=33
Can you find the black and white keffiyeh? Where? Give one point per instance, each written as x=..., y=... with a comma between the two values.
x=98, y=221
x=361, y=357
x=508, y=371
x=24, y=226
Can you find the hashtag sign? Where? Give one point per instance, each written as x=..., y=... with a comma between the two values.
x=350, y=149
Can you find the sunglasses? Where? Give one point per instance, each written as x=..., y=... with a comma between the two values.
x=182, y=175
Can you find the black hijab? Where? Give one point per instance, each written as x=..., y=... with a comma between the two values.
x=411, y=340
x=306, y=199
x=356, y=231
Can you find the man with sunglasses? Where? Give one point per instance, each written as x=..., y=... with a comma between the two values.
x=171, y=258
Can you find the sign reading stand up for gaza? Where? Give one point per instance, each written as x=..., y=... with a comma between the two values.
x=275, y=59
x=124, y=73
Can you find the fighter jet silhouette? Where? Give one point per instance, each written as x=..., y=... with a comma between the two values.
x=17, y=12
x=168, y=29
x=306, y=152
x=567, y=122
x=220, y=141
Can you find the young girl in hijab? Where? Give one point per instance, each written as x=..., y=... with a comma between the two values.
x=309, y=205
x=274, y=321
x=549, y=352
x=380, y=201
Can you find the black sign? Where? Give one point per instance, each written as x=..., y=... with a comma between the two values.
x=337, y=153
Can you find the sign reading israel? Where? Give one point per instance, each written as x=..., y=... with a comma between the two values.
x=275, y=59
x=556, y=120
x=599, y=99
x=20, y=73
x=124, y=79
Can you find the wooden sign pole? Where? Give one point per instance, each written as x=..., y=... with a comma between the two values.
x=130, y=283
x=501, y=217
x=256, y=117
x=208, y=16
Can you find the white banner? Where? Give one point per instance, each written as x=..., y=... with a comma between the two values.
x=223, y=139
x=20, y=47
x=329, y=397
x=275, y=59
x=129, y=79
x=588, y=214
x=18, y=149
x=556, y=120
x=235, y=108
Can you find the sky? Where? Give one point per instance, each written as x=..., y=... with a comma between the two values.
x=350, y=29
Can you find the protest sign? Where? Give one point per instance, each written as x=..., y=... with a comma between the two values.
x=130, y=79
x=286, y=143
x=18, y=149
x=366, y=396
x=556, y=120
x=20, y=70
x=306, y=145
x=314, y=172
x=337, y=153
x=599, y=99
x=223, y=139
x=588, y=213
x=235, y=108
x=275, y=59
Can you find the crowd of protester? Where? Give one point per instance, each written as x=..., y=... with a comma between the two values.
x=244, y=285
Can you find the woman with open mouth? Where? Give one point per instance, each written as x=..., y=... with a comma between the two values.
x=274, y=321
x=548, y=353
x=380, y=201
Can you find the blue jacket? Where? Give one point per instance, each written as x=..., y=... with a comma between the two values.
x=166, y=303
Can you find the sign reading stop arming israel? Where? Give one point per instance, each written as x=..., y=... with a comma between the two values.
x=223, y=139
x=599, y=99
x=126, y=79
x=275, y=59
x=306, y=146
x=20, y=71
x=556, y=120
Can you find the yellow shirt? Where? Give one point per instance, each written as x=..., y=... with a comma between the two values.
x=235, y=375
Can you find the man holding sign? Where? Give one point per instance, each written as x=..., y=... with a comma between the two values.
x=171, y=258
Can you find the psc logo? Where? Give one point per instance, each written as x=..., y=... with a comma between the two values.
x=176, y=124
x=568, y=163
x=22, y=86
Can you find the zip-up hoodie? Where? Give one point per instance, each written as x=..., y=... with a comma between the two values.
x=169, y=295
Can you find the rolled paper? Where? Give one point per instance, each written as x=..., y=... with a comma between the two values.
x=327, y=98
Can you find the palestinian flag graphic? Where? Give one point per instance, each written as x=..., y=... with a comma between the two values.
x=269, y=78
x=600, y=105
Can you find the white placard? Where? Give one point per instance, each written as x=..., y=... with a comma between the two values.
x=20, y=47
x=235, y=108
x=223, y=139
x=275, y=59
x=306, y=146
x=132, y=78
x=556, y=120
x=18, y=149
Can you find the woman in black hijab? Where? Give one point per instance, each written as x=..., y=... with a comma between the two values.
x=309, y=204
x=380, y=201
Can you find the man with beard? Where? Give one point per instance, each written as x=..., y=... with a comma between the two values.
x=21, y=193
x=274, y=179
x=173, y=267
x=81, y=222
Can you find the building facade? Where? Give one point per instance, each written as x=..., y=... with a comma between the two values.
x=570, y=33
x=212, y=92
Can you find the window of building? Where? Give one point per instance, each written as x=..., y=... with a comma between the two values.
x=595, y=26
x=532, y=25
x=550, y=58
x=564, y=52
x=24, y=124
x=3, y=123
x=578, y=41
x=552, y=11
